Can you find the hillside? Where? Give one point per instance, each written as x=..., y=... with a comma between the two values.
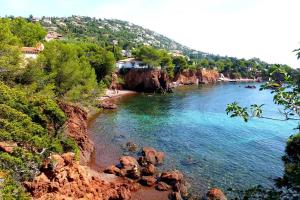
x=105, y=31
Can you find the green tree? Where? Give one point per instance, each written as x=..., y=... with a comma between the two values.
x=29, y=33
x=101, y=60
x=68, y=68
x=180, y=62
x=149, y=56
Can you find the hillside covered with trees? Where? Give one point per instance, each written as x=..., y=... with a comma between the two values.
x=117, y=35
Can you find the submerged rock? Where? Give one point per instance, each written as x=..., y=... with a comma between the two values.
x=250, y=86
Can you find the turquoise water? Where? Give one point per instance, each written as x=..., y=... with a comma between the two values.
x=192, y=128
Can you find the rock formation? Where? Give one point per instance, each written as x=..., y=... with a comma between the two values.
x=76, y=128
x=147, y=80
x=215, y=194
x=189, y=77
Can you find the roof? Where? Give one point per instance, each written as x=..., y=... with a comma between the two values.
x=128, y=60
x=29, y=49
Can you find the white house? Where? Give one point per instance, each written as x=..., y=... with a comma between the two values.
x=130, y=63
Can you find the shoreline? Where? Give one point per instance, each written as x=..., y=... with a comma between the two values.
x=114, y=94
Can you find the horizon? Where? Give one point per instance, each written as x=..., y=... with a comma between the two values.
x=245, y=36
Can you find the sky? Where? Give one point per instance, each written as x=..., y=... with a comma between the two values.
x=266, y=29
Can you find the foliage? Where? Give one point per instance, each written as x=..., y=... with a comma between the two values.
x=69, y=70
x=149, y=56
x=29, y=33
x=10, y=188
x=101, y=60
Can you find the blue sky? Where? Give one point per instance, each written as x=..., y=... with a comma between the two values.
x=267, y=29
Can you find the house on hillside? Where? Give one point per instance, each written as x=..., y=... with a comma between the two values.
x=126, y=53
x=52, y=35
x=129, y=63
x=32, y=52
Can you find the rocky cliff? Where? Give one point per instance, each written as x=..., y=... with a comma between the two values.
x=189, y=77
x=76, y=128
x=147, y=80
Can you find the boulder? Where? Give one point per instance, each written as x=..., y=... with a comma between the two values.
x=124, y=193
x=215, y=194
x=128, y=162
x=148, y=180
x=161, y=186
x=150, y=155
x=57, y=162
x=160, y=156
x=112, y=170
x=175, y=196
x=171, y=177
x=149, y=169
x=68, y=157
x=129, y=167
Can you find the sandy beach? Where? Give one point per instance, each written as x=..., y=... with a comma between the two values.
x=113, y=94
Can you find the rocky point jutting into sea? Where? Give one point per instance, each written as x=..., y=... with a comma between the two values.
x=153, y=80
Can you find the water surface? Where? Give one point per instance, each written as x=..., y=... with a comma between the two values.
x=192, y=128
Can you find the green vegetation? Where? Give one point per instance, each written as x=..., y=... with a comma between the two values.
x=115, y=35
x=31, y=120
x=286, y=94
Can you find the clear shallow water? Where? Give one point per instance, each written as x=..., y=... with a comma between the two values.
x=191, y=124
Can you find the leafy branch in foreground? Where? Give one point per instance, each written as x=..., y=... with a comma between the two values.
x=286, y=92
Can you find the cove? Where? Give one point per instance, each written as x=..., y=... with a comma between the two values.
x=192, y=128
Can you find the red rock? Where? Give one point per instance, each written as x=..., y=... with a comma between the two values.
x=7, y=147
x=69, y=157
x=112, y=170
x=171, y=177
x=215, y=194
x=148, y=180
x=57, y=162
x=128, y=162
x=76, y=128
x=160, y=156
x=161, y=186
x=124, y=194
x=175, y=196
x=147, y=80
x=149, y=169
x=150, y=154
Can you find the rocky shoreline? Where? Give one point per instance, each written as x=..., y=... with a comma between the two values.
x=64, y=177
